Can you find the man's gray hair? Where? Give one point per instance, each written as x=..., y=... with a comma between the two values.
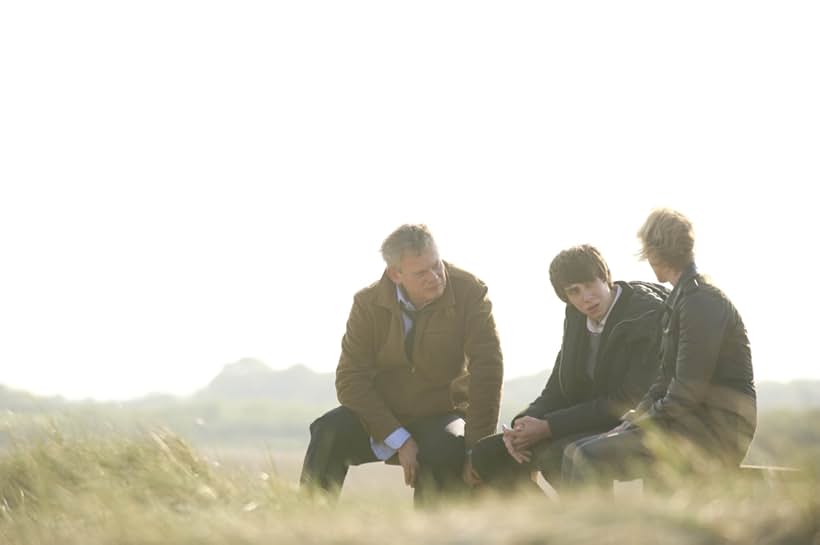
x=409, y=237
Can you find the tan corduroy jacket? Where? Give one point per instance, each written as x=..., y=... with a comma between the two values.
x=456, y=365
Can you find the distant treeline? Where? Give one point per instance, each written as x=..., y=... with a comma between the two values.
x=248, y=404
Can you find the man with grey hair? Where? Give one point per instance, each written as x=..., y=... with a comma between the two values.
x=419, y=377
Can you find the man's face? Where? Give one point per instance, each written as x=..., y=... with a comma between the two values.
x=592, y=299
x=422, y=276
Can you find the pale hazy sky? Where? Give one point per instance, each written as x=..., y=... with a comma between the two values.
x=183, y=184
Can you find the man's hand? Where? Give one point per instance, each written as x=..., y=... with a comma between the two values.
x=469, y=474
x=408, y=458
x=520, y=456
x=528, y=431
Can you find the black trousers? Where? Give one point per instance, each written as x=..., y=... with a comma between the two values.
x=338, y=440
x=498, y=470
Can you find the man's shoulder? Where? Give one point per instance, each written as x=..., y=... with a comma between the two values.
x=651, y=292
x=643, y=297
x=460, y=277
x=374, y=292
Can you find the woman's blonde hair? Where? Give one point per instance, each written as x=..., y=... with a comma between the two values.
x=668, y=235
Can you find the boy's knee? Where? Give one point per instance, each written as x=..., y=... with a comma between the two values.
x=484, y=452
x=449, y=452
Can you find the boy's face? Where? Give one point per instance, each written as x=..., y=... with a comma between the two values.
x=592, y=299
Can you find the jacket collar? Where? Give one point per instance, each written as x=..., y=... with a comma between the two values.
x=687, y=277
x=386, y=293
x=598, y=327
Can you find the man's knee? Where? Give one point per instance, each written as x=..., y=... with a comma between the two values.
x=332, y=422
x=331, y=449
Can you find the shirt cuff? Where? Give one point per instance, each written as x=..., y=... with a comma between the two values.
x=396, y=439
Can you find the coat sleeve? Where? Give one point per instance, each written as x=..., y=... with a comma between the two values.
x=355, y=374
x=485, y=364
x=641, y=353
x=702, y=321
x=655, y=392
x=551, y=398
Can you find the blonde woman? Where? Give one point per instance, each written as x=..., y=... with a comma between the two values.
x=704, y=393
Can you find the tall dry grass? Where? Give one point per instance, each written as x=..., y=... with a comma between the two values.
x=153, y=488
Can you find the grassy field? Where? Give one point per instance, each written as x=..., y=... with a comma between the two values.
x=151, y=487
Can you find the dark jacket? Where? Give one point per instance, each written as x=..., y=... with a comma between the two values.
x=626, y=362
x=706, y=381
x=456, y=365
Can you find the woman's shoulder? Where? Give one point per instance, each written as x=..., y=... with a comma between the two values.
x=700, y=292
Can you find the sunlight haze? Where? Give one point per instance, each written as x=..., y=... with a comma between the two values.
x=184, y=184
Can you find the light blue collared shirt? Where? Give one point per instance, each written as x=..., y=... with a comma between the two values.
x=387, y=448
